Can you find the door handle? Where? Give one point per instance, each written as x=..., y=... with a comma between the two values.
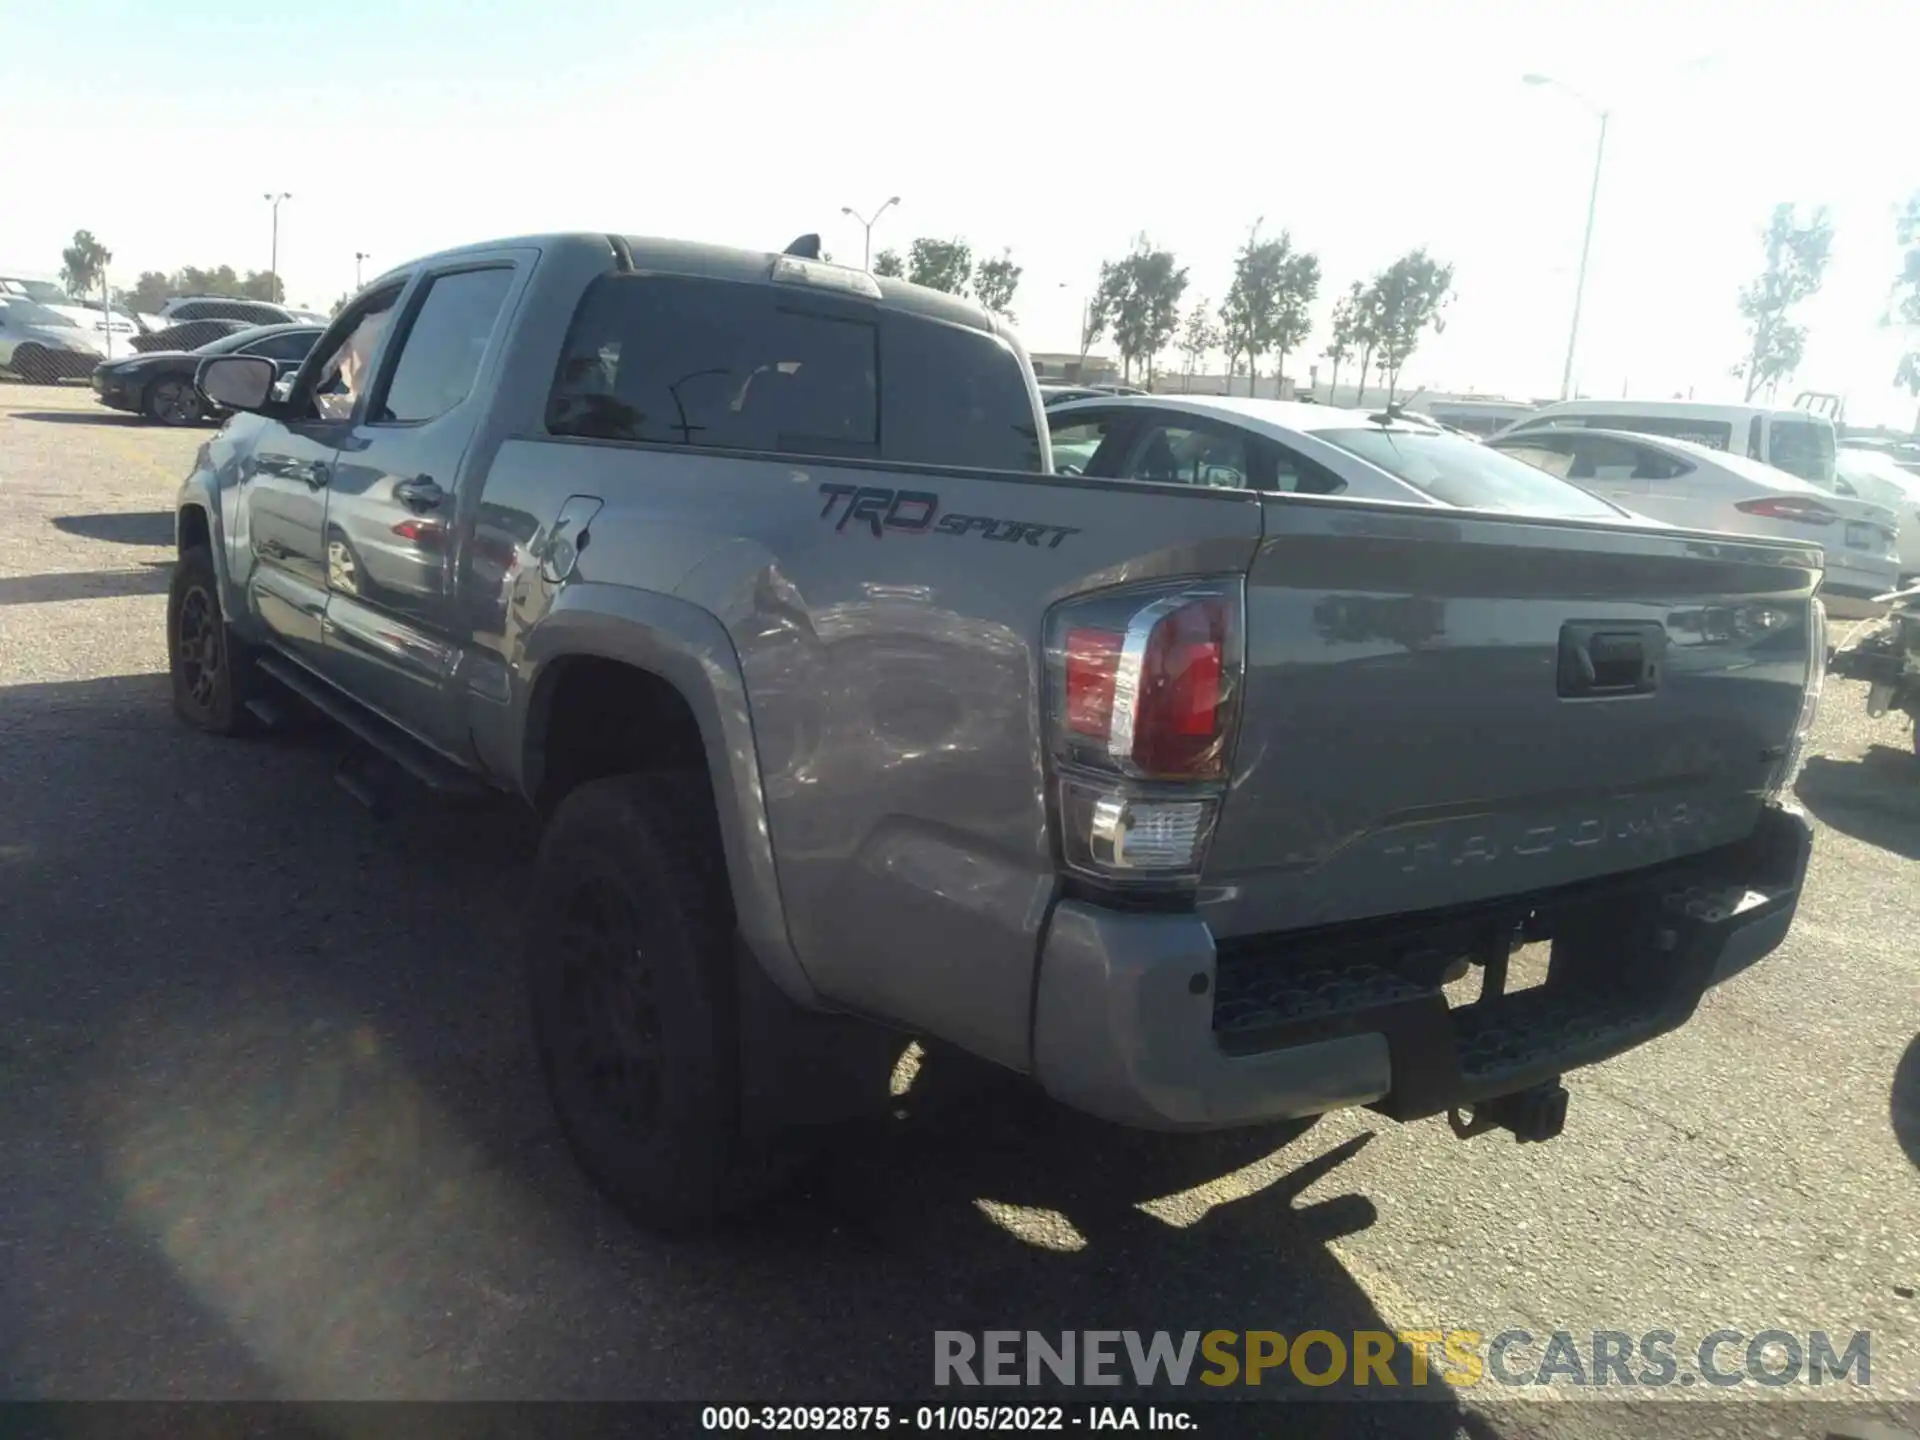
x=318, y=473
x=419, y=493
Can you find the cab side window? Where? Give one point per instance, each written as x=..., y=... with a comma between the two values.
x=344, y=372
x=444, y=343
x=1189, y=455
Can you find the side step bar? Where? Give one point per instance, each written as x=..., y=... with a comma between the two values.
x=431, y=769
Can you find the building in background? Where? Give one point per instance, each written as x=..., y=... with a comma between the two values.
x=1049, y=365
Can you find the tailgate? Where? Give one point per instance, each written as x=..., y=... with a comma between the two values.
x=1445, y=708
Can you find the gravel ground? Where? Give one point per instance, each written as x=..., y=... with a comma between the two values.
x=268, y=1125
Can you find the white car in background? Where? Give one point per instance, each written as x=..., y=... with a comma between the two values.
x=1701, y=488
x=1875, y=475
x=119, y=328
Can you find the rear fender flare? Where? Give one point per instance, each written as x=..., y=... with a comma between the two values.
x=689, y=649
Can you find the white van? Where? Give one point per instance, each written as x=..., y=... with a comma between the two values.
x=1796, y=441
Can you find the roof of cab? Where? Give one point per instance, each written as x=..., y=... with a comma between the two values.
x=726, y=262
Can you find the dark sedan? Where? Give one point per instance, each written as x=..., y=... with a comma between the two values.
x=190, y=334
x=159, y=384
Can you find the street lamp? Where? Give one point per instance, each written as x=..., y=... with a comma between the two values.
x=866, y=261
x=273, y=264
x=1593, y=200
x=358, y=256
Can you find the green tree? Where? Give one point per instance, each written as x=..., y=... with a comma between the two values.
x=1139, y=299
x=1366, y=330
x=1293, y=318
x=994, y=282
x=1904, y=311
x=888, y=262
x=193, y=281
x=1346, y=334
x=940, y=265
x=1797, y=254
x=260, y=285
x=1200, y=338
x=83, y=263
x=1253, y=298
x=149, y=292
x=1409, y=296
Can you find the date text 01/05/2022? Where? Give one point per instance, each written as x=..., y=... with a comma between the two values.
x=989, y=1419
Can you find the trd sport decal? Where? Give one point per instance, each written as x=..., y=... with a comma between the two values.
x=915, y=512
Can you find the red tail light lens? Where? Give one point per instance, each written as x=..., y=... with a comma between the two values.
x=1093, y=660
x=421, y=532
x=1789, y=507
x=1146, y=682
x=1177, y=728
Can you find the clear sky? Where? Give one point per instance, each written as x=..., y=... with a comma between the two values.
x=1059, y=129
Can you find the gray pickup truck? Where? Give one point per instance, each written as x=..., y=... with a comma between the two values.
x=847, y=719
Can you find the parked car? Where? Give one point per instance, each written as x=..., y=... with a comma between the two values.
x=1799, y=442
x=1707, y=489
x=159, y=384
x=847, y=721
x=115, y=331
x=1234, y=442
x=1875, y=475
x=42, y=345
x=226, y=307
x=189, y=335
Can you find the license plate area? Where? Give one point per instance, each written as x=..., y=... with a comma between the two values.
x=1862, y=536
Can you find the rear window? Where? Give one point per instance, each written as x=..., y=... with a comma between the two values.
x=1462, y=472
x=1803, y=448
x=717, y=365
x=723, y=364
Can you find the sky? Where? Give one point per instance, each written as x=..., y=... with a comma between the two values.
x=1058, y=131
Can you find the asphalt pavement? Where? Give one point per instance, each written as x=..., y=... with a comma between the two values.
x=269, y=1126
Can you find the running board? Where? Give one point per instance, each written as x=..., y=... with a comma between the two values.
x=427, y=766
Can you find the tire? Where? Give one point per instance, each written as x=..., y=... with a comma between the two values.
x=346, y=571
x=172, y=401
x=31, y=364
x=629, y=963
x=212, y=672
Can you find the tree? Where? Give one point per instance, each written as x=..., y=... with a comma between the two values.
x=1139, y=298
x=1408, y=298
x=1199, y=339
x=1366, y=329
x=994, y=282
x=889, y=263
x=1797, y=255
x=1253, y=299
x=152, y=290
x=1292, y=320
x=190, y=280
x=1346, y=334
x=1905, y=308
x=941, y=265
x=261, y=285
x=83, y=263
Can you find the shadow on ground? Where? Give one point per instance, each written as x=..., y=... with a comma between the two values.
x=82, y=417
x=135, y=527
x=270, y=1126
x=150, y=579
x=1905, y=1102
x=1875, y=798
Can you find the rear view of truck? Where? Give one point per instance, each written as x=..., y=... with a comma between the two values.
x=1296, y=803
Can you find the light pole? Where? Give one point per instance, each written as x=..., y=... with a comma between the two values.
x=1593, y=200
x=866, y=260
x=273, y=263
x=358, y=256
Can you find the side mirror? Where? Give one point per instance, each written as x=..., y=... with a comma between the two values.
x=237, y=382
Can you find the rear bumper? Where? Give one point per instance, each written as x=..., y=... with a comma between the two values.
x=1144, y=1020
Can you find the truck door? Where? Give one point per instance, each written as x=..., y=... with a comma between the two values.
x=394, y=531
x=284, y=480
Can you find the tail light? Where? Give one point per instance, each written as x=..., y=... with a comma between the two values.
x=1144, y=688
x=1789, y=770
x=1789, y=507
x=424, y=533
